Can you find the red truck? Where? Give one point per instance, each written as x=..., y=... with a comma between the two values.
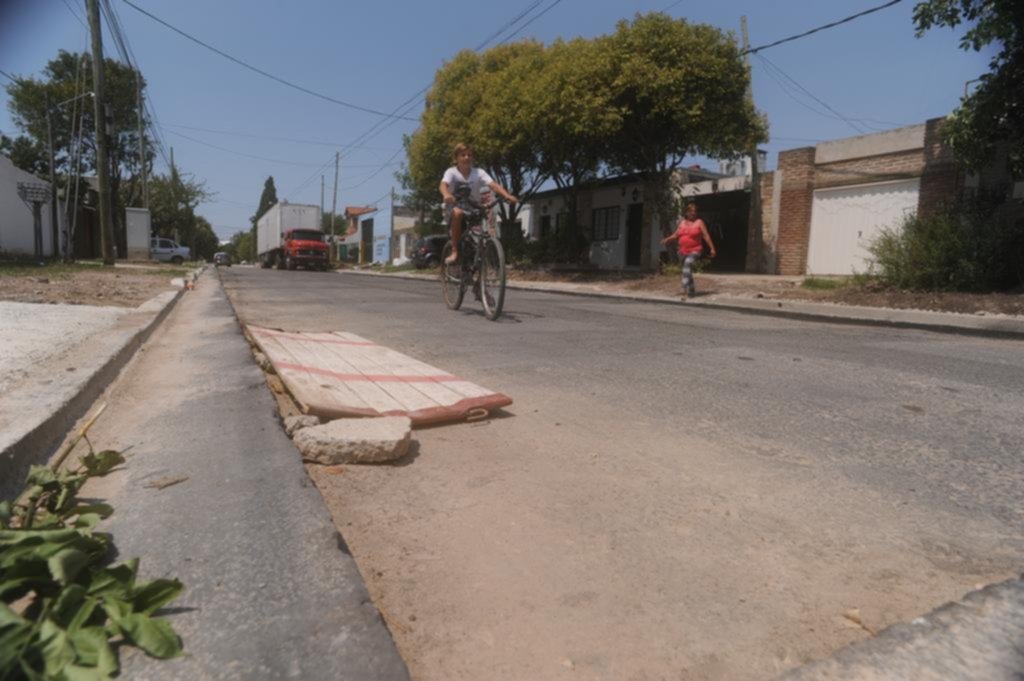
x=288, y=236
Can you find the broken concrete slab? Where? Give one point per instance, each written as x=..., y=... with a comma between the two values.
x=293, y=424
x=368, y=440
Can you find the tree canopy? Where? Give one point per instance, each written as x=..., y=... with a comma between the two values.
x=994, y=112
x=635, y=101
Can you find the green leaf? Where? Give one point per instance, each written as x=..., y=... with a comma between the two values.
x=66, y=564
x=69, y=601
x=85, y=611
x=150, y=597
x=8, y=617
x=102, y=510
x=5, y=514
x=74, y=672
x=55, y=647
x=12, y=640
x=87, y=521
x=93, y=648
x=15, y=537
x=155, y=636
x=118, y=580
x=40, y=475
x=102, y=463
x=117, y=610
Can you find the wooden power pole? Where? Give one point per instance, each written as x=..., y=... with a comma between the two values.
x=755, y=229
x=102, y=162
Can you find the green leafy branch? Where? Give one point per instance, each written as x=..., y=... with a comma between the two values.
x=63, y=611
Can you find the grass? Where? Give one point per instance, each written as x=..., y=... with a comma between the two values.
x=21, y=268
x=825, y=284
x=407, y=267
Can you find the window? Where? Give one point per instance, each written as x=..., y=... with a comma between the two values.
x=164, y=243
x=606, y=224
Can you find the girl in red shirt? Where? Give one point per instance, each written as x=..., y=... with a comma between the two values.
x=691, y=234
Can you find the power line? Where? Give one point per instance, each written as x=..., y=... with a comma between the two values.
x=537, y=16
x=414, y=101
x=333, y=145
x=770, y=66
x=243, y=154
x=753, y=50
x=10, y=77
x=255, y=69
x=75, y=14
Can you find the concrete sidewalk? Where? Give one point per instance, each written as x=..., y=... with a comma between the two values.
x=271, y=591
x=987, y=325
x=54, y=361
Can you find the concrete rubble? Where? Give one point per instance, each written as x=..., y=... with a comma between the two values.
x=368, y=440
x=293, y=424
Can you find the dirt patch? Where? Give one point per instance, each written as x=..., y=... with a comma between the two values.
x=788, y=288
x=85, y=284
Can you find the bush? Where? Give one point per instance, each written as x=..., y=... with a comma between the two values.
x=968, y=247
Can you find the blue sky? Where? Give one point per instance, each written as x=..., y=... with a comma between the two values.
x=872, y=71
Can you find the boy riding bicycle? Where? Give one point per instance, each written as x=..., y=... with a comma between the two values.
x=463, y=173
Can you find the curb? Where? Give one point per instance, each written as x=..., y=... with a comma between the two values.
x=976, y=637
x=943, y=322
x=41, y=431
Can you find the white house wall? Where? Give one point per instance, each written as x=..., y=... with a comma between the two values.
x=610, y=255
x=16, y=222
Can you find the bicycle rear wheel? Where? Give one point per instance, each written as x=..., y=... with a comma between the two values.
x=492, y=278
x=453, y=285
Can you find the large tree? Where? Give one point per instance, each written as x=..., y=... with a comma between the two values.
x=267, y=199
x=67, y=77
x=578, y=122
x=486, y=101
x=994, y=112
x=681, y=89
x=173, y=199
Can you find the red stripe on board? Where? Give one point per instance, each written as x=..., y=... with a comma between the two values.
x=339, y=341
x=375, y=378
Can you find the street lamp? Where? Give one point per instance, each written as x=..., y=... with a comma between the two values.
x=55, y=222
x=35, y=194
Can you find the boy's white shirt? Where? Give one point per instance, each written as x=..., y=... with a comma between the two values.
x=477, y=180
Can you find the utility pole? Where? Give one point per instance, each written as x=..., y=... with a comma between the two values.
x=755, y=229
x=142, y=142
x=54, y=215
x=334, y=203
x=174, y=194
x=321, y=195
x=102, y=168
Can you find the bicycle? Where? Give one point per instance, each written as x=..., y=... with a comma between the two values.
x=481, y=264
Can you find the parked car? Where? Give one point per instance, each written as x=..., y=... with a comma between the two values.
x=222, y=258
x=166, y=250
x=426, y=252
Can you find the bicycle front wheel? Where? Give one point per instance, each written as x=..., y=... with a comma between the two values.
x=453, y=285
x=492, y=278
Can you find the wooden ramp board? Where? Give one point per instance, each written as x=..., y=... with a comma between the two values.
x=335, y=375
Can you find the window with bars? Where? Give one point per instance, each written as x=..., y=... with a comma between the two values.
x=606, y=224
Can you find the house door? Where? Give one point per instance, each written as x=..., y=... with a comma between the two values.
x=844, y=221
x=366, y=248
x=634, y=234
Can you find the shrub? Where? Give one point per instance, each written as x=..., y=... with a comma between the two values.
x=971, y=246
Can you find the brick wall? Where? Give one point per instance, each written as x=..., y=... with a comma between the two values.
x=940, y=178
x=798, y=177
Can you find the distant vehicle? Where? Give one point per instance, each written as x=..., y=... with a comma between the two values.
x=166, y=250
x=288, y=236
x=426, y=252
x=222, y=259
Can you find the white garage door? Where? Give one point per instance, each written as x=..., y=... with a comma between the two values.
x=844, y=221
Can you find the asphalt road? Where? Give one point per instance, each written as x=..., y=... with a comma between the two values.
x=860, y=468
